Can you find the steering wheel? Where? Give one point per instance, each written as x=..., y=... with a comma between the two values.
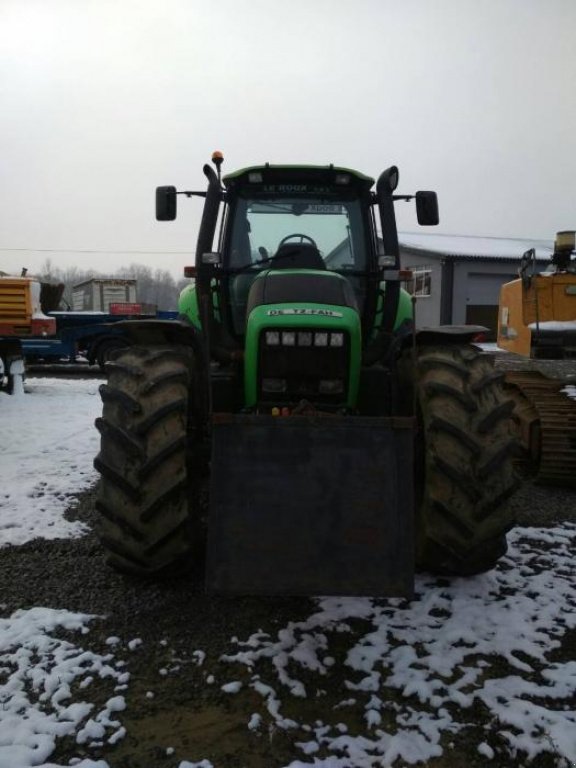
x=302, y=239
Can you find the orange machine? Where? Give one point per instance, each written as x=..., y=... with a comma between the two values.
x=20, y=309
x=21, y=316
x=537, y=322
x=537, y=313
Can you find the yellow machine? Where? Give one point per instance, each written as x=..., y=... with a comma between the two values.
x=21, y=305
x=22, y=301
x=537, y=315
x=537, y=322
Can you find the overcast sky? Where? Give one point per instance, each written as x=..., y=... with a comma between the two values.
x=103, y=100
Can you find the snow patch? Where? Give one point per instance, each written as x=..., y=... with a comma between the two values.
x=459, y=642
x=48, y=445
x=233, y=687
x=40, y=678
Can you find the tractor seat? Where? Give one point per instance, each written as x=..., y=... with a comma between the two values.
x=297, y=256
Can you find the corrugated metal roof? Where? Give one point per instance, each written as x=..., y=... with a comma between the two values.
x=468, y=247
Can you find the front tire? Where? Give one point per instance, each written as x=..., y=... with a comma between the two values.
x=465, y=470
x=151, y=435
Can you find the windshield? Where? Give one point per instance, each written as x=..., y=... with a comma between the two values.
x=261, y=226
x=263, y=229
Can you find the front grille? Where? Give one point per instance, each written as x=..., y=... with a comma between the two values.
x=288, y=373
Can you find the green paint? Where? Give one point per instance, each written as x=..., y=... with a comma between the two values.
x=188, y=305
x=403, y=313
x=404, y=309
x=260, y=319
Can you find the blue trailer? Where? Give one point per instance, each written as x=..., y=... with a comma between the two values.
x=91, y=335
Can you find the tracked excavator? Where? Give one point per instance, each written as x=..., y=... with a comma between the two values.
x=537, y=324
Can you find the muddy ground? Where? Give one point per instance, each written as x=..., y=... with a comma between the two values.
x=175, y=703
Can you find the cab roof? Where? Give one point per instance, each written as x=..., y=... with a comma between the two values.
x=298, y=174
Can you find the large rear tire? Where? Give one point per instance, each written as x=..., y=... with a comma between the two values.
x=107, y=350
x=151, y=436
x=464, y=459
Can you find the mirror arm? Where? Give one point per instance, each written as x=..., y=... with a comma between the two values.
x=191, y=194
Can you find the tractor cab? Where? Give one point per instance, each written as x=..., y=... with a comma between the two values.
x=295, y=291
x=279, y=221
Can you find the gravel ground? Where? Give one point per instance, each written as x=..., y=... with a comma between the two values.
x=173, y=619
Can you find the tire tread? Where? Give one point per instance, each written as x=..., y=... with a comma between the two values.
x=466, y=467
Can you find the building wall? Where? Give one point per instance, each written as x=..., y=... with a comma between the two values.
x=475, y=286
x=477, y=292
x=477, y=283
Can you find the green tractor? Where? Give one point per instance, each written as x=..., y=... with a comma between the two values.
x=294, y=432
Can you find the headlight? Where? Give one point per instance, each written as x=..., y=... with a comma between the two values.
x=289, y=338
x=331, y=386
x=321, y=339
x=272, y=338
x=305, y=339
x=336, y=339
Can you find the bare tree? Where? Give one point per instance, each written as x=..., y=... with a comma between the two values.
x=157, y=287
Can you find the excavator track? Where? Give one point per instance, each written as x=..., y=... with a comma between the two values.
x=546, y=416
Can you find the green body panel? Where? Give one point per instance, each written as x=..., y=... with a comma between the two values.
x=188, y=305
x=343, y=319
x=403, y=313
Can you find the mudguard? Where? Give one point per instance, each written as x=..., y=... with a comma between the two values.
x=311, y=505
x=160, y=332
x=449, y=334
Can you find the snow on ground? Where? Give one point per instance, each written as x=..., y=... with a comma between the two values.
x=47, y=445
x=45, y=685
x=417, y=669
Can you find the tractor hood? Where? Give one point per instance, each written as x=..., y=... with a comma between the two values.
x=303, y=327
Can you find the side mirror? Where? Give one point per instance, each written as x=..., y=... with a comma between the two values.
x=165, y=203
x=427, y=208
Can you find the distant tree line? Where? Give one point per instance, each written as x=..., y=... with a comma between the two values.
x=155, y=286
